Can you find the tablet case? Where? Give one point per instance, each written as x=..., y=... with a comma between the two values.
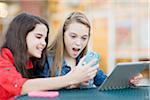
x=120, y=76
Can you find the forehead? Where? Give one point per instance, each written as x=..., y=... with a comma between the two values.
x=40, y=29
x=78, y=28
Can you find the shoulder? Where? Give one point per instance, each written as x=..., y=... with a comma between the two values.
x=6, y=55
x=6, y=60
x=50, y=56
x=7, y=68
x=49, y=60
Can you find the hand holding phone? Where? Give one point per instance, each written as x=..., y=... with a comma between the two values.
x=91, y=55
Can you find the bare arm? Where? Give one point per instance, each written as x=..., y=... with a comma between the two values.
x=51, y=83
x=75, y=76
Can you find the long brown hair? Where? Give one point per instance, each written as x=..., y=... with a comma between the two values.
x=57, y=46
x=15, y=41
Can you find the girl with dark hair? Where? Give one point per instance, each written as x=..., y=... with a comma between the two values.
x=69, y=47
x=25, y=44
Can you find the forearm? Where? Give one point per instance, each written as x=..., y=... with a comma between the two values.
x=75, y=76
x=52, y=83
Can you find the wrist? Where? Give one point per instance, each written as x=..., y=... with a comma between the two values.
x=70, y=80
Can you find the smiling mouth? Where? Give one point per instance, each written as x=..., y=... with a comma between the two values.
x=39, y=49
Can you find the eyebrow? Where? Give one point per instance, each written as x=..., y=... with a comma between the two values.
x=85, y=36
x=73, y=33
x=76, y=34
x=39, y=34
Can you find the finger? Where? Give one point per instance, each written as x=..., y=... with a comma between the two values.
x=93, y=69
x=97, y=66
x=85, y=83
x=138, y=77
x=92, y=74
x=91, y=63
x=81, y=61
x=134, y=82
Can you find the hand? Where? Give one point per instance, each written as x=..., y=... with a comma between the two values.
x=82, y=72
x=136, y=79
x=73, y=86
x=85, y=83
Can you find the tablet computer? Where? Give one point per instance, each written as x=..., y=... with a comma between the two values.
x=120, y=76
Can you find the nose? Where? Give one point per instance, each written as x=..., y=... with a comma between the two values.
x=78, y=42
x=43, y=43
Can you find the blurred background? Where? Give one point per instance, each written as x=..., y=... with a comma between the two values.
x=120, y=28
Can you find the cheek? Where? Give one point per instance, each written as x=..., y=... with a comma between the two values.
x=31, y=44
x=31, y=41
x=83, y=46
x=67, y=42
x=85, y=43
x=67, y=45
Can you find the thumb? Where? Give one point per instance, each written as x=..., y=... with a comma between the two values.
x=81, y=62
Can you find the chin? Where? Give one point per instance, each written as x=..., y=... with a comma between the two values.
x=38, y=56
x=74, y=56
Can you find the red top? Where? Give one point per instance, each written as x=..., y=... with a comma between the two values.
x=11, y=81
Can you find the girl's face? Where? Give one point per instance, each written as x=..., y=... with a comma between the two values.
x=76, y=38
x=36, y=40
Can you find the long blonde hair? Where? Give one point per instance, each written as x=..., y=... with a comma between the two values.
x=57, y=46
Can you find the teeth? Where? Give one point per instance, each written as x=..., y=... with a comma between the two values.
x=40, y=49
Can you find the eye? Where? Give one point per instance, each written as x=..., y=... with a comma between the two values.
x=84, y=38
x=73, y=36
x=38, y=36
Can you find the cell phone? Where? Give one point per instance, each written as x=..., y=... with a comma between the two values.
x=91, y=55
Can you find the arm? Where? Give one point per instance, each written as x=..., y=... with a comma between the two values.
x=52, y=83
x=99, y=78
x=75, y=76
x=16, y=84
